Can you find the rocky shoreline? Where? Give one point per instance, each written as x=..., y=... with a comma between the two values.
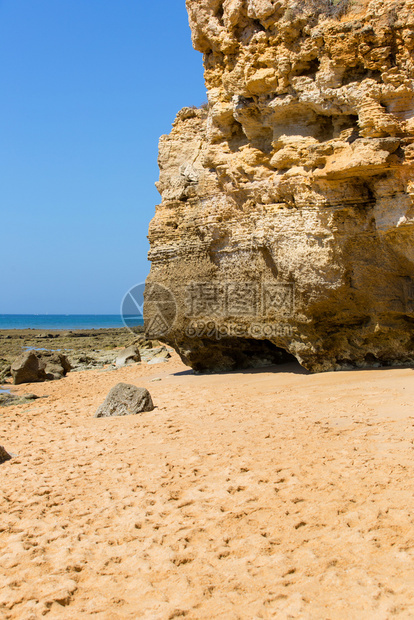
x=84, y=349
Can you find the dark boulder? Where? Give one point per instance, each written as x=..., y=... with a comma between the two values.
x=125, y=399
x=4, y=455
x=36, y=366
x=7, y=399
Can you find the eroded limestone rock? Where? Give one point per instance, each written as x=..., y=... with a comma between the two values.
x=125, y=399
x=130, y=355
x=287, y=214
x=35, y=366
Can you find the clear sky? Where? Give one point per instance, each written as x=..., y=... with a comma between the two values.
x=87, y=87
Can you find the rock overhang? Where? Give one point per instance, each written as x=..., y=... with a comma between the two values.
x=287, y=204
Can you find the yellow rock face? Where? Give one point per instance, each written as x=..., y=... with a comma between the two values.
x=287, y=217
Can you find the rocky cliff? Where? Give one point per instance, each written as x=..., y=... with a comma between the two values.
x=287, y=218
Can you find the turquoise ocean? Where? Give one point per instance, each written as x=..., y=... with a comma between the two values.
x=66, y=321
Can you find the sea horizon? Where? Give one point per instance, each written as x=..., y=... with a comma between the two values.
x=66, y=321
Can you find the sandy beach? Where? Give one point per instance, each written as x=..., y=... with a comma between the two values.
x=207, y=347
x=252, y=494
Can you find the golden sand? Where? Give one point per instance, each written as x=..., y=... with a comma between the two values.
x=256, y=494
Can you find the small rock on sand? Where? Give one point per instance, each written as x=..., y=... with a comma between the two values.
x=4, y=455
x=125, y=399
x=157, y=355
x=130, y=355
x=7, y=399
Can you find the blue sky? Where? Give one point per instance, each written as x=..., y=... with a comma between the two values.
x=87, y=87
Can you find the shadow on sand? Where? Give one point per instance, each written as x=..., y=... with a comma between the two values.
x=291, y=367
